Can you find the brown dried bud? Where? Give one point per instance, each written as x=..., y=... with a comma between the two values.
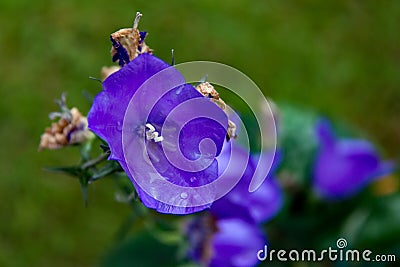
x=207, y=90
x=128, y=43
x=70, y=129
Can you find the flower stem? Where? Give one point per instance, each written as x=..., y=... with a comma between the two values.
x=95, y=161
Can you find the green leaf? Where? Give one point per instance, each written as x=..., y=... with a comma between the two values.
x=297, y=142
x=380, y=227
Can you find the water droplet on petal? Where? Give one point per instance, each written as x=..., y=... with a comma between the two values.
x=179, y=90
x=184, y=195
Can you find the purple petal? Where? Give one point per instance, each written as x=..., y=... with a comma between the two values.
x=189, y=122
x=225, y=209
x=176, y=175
x=276, y=159
x=325, y=132
x=266, y=201
x=121, y=55
x=236, y=243
x=142, y=36
x=257, y=206
x=152, y=203
x=107, y=112
x=385, y=168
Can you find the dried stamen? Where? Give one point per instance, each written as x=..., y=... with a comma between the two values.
x=137, y=19
x=172, y=57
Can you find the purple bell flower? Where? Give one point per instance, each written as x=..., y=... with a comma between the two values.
x=345, y=166
x=153, y=128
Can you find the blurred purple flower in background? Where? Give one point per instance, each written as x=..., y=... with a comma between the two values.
x=143, y=112
x=236, y=243
x=345, y=166
x=230, y=233
x=224, y=242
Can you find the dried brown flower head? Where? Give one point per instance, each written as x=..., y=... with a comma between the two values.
x=71, y=128
x=128, y=43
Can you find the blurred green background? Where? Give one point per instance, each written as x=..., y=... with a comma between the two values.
x=341, y=58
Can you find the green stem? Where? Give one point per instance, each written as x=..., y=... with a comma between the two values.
x=95, y=161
